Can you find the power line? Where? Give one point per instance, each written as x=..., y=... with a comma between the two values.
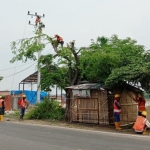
x=24, y=64
x=19, y=71
x=25, y=27
x=14, y=75
x=17, y=61
x=15, y=67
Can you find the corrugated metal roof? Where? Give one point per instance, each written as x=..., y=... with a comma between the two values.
x=31, y=78
x=103, y=87
x=87, y=86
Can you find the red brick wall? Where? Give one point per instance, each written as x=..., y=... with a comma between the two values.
x=4, y=93
x=7, y=100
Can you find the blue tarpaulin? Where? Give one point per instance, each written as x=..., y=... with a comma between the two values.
x=31, y=95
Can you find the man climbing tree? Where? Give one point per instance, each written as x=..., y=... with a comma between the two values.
x=38, y=20
x=59, y=39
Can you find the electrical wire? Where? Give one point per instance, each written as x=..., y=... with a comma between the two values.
x=20, y=71
x=25, y=26
x=15, y=67
x=17, y=61
x=24, y=64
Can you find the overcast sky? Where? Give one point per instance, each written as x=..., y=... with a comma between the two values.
x=81, y=20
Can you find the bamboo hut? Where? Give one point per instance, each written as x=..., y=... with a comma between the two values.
x=93, y=103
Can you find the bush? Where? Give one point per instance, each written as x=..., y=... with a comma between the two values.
x=47, y=109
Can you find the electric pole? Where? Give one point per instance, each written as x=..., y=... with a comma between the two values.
x=39, y=26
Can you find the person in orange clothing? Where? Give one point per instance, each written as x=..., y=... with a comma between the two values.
x=59, y=39
x=141, y=103
x=141, y=124
x=38, y=20
x=2, y=108
x=117, y=111
x=23, y=104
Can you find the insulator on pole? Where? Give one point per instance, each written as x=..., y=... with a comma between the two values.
x=29, y=22
x=43, y=15
x=28, y=12
x=36, y=14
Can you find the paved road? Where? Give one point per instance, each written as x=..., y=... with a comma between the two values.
x=15, y=136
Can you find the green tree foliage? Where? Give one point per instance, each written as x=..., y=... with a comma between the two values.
x=47, y=109
x=52, y=74
x=67, y=74
x=25, y=49
x=137, y=73
x=1, y=78
x=62, y=74
x=113, y=61
x=109, y=60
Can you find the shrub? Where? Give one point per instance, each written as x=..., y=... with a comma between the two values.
x=47, y=109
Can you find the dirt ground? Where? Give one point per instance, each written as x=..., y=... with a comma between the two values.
x=125, y=129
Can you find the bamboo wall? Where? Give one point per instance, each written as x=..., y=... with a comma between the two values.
x=97, y=108
x=148, y=113
x=90, y=110
x=129, y=109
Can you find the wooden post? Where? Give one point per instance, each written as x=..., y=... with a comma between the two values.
x=98, y=109
x=31, y=86
x=23, y=87
x=61, y=95
x=13, y=101
x=19, y=86
x=56, y=91
x=77, y=110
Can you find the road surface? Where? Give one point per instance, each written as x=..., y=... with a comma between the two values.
x=19, y=136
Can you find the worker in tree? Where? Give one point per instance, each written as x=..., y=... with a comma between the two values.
x=38, y=20
x=41, y=25
x=2, y=108
x=141, y=124
x=141, y=103
x=117, y=111
x=23, y=104
x=59, y=39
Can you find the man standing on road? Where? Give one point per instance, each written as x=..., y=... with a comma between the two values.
x=23, y=104
x=141, y=124
x=117, y=111
x=2, y=108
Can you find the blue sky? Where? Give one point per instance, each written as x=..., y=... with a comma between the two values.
x=81, y=20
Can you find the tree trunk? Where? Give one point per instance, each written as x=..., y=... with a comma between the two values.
x=67, y=112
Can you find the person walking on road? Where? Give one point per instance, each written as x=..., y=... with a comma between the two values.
x=23, y=104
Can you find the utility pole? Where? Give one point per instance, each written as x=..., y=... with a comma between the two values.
x=39, y=26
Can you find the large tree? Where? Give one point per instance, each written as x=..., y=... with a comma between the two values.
x=108, y=60
x=63, y=73
x=25, y=49
x=113, y=61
